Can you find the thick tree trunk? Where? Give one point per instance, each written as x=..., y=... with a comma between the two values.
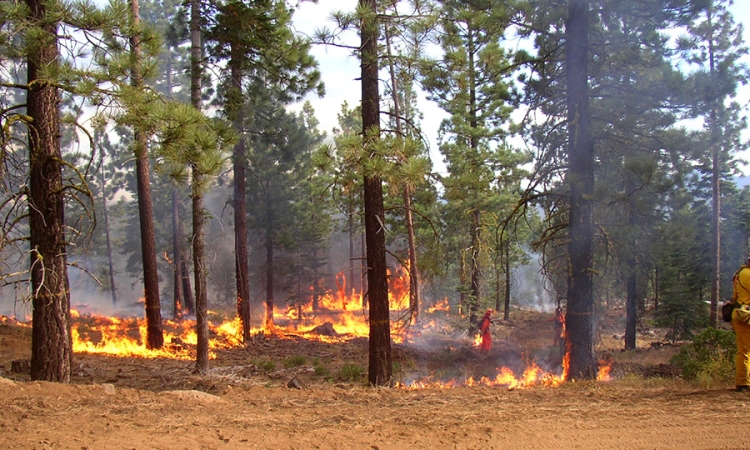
x=242, y=270
x=580, y=317
x=154, y=335
x=51, y=351
x=201, y=296
x=380, y=365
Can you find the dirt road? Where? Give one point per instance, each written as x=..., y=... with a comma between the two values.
x=580, y=415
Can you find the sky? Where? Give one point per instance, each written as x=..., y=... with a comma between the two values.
x=340, y=72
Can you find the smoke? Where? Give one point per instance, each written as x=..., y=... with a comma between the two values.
x=529, y=290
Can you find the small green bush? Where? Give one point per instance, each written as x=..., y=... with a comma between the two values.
x=350, y=372
x=265, y=364
x=295, y=361
x=321, y=371
x=709, y=358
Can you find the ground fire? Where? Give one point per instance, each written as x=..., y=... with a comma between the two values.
x=340, y=316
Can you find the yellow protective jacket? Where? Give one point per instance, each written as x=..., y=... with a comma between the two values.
x=741, y=283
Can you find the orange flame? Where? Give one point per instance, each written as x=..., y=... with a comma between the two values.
x=441, y=305
x=347, y=314
x=532, y=376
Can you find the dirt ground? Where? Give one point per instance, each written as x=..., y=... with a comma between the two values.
x=292, y=393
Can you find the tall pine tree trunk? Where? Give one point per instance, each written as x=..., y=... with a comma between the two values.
x=154, y=335
x=51, y=351
x=201, y=296
x=187, y=289
x=380, y=365
x=580, y=316
x=242, y=270
x=178, y=301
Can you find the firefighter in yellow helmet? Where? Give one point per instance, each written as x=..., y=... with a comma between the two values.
x=741, y=325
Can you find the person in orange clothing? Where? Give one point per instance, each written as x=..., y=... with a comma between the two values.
x=741, y=325
x=484, y=328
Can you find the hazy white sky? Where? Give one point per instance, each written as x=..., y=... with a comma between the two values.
x=340, y=70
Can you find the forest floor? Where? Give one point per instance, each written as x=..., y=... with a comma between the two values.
x=294, y=393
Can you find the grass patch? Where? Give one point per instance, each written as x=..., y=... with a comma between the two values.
x=295, y=361
x=351, y=372
x=265, y=364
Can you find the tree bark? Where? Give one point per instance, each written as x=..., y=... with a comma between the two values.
x=242, y=270
x=154, y=334
x=580, y=316
x=51, y=348
x=178, y=301
x=201, y=296
x=380, y=365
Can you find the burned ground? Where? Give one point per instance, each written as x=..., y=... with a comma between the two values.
x=296, y=393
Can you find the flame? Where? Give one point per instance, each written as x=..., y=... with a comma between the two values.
x=114, y=336
x=441, y=305
x=605, y=369
x=532, y=376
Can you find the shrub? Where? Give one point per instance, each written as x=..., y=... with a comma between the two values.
x=350, y=372
x=265, y=364
x=295, y=361
x=709, y=358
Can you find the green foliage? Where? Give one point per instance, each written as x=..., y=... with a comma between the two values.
x=265, y=364
x=321, y=370
x=295, y=361
x=710, y=357
x=351, y=372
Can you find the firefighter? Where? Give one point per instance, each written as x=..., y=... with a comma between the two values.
x=741, y=325
x=484, y=328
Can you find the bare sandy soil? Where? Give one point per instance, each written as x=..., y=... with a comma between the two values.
x=136, y=403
